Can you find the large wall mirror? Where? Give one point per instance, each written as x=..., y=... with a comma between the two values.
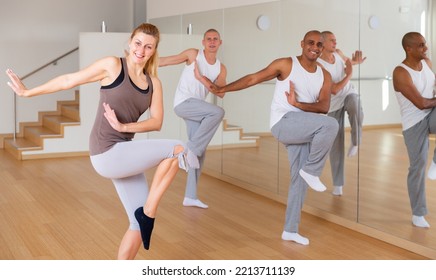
x=375, y=191
x=383, y=161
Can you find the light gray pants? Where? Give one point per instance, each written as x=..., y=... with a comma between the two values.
x=308, y=137
x=125, y=164
x=202, y=120
x=417, y=143
x=337, y=153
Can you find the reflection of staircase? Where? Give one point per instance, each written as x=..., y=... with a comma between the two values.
x=234, y=137
x=49, y=125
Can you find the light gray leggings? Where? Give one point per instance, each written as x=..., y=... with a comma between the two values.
x=308, y=137
x=337, y=153
x=125, y=164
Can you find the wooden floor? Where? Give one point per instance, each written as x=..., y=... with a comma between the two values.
x=375, y=190
x=61, y=209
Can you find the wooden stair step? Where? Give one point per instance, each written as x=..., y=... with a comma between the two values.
x=37, y=133
x=232, y=127
x=60, y=119
x=71, y=111
x=16, y=146
x=244, y=137
x=21, y=144
x=55, y=122
x=50, y=124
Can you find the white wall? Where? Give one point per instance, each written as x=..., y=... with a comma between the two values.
x=165, y=8
x=76, y=137
x=35, y=32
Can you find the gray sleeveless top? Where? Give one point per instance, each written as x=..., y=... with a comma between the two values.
x=128, y=101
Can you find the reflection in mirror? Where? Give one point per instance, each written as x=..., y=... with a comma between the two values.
x=266, y=167
x=375, y=189
x=249, y=49
x=346, y=29
x=383, y=162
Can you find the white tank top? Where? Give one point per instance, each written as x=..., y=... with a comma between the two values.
x=307, y=88
x=189, y=86
x=424, y=82
x=337, y=71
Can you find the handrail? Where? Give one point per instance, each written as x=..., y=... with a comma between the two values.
x=54, y=61
x=388, y=78
x=49, y=63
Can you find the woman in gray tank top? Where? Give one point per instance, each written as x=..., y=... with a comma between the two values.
x=127, y=85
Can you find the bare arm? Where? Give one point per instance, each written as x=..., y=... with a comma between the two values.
x=428, y=61
x=186, y=56
x=337, y=87
x=221, y=80
x=356, y=57
x=98, y=71
x=153, y=123
x=403, y=83
x=273, y=70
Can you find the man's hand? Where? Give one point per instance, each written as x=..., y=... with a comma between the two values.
x=291, y=95
x=357, y=58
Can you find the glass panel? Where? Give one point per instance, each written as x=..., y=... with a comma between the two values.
x=342, y=18
x=250, y=153
x=384, y=200
x=375, y=189
x=265, y=166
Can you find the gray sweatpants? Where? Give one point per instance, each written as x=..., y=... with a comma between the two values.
x=417, y=143
x=202, y=120
x=337, y=153
x=125, y=164
x=308, y=137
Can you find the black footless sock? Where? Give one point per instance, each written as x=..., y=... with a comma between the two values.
x=146, y=225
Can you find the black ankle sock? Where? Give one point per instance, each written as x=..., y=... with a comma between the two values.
x=146, y=225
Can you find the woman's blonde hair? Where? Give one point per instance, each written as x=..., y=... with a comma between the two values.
x=149, y=29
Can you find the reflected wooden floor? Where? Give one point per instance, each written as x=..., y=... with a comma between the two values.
x=380, y=171
x=383, y=192
x=383, y=199
x=61, y=209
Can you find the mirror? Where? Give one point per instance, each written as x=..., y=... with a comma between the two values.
x=383, y=160
x=265, y=167
x=245, y=153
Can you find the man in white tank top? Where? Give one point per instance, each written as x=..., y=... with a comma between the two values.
x=202, y=118
x=301, y=100
x=413, y=83
x=344, y=98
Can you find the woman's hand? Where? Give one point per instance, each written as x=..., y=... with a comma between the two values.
x=15, y=83
x=112, y=118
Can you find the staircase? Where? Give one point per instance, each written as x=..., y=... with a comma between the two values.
x=234, y=137
x=49, y=125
